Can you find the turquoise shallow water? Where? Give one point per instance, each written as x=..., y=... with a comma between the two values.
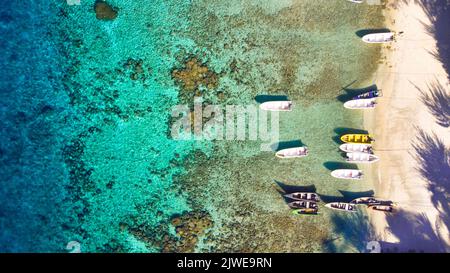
x=117, y=177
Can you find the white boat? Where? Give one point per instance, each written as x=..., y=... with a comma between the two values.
x=356, y=147
x=303, y=196
x=276, y=106
x=368, y=201
x=341, y=206
x=356, y=1
x=375, y=38
x=303, y=205
x=361, y=104
x=292, y=152
x=347, y=174
x=361, y=158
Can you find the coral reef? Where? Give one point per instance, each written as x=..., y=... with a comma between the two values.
x=193, y=76
x=104, y=11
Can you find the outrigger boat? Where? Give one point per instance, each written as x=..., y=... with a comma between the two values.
x=369, y=95
x=356, y=147
x=276, y=106
x=292, y=152
x=367, y=201
x=384, y=208
x=376, y=38
x=347, y=174
x=360, y=104
x=305, y=211
x=362, y=158
x=303, y=205
x=303, y=196
x=357, y=138
x=341, y=206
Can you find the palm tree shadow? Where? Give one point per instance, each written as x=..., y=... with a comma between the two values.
x=438, y=103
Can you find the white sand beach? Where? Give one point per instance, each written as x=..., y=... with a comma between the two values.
x=401, y=119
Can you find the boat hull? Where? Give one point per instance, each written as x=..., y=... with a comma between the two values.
x=369, y=95
x=305, y=211
x=303, y=196
x=357, y=138
x=279, y=106
x=360, y=104
x=356, y=147
x=347, y=174
x=302, y=205
x=362, y=158
x=292, y=152
x=378, y=38
x=347, y=207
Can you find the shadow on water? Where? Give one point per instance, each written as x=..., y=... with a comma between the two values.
x=286, y=145
x=346, y=196
x=350, y=93
x=334, y=165
x=285, y=189
x=438, y=103
x=265, y=98
x=345, y=130
x=360, y=33
x=438, y=13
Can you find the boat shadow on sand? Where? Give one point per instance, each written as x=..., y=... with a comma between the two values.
x=351, y=93
x=362, y=32
x=286, y=145
x=266, y=98
x=345, y=130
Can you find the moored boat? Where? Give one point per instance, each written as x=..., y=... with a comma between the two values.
x=376, y=38
x=357, y=138
x=292, y=152
x=302, y=205
x=341, y=206
x=305, y=211
x=360, y=104
x=362, y=158
x=356, y=147
x=384, y=208
x=303, y=196
x=276, y=106
x=347, y=174
x=356, y=1
x=366, y=201
x=369, y=95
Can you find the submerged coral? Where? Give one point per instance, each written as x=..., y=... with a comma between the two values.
x=104, y=11
x=194, y=75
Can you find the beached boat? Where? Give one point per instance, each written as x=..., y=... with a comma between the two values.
x=303, y=196
x=276, y=106
x=362, y=158
x=312, y=211
x=356, y=1
x=367, y=201
x=347, y=174
x=292, y=152
x=357, y=138
x=360, y=104
x=341, y=206
x=375, y=38
x=369, y=95
x=384, y=208
x=302, y=205
x=356, y=147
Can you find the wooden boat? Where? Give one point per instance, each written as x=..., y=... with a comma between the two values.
x=303, y=196
x=357, y=138
x=362, y=158
x=341, y=206
x=312, y=211
x=292, y=152
x=276, y=106
x=347, y=174
x=384, y=208
x=360, y=104
x=302, y=205
x=369, y=95
x=356, y=147
x=377, y=38
x=366, y=201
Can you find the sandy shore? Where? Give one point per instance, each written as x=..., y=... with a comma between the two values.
x=408, y=71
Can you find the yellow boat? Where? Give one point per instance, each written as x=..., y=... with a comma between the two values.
x=357, y=138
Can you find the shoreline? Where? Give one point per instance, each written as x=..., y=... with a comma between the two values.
x=396, y=123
